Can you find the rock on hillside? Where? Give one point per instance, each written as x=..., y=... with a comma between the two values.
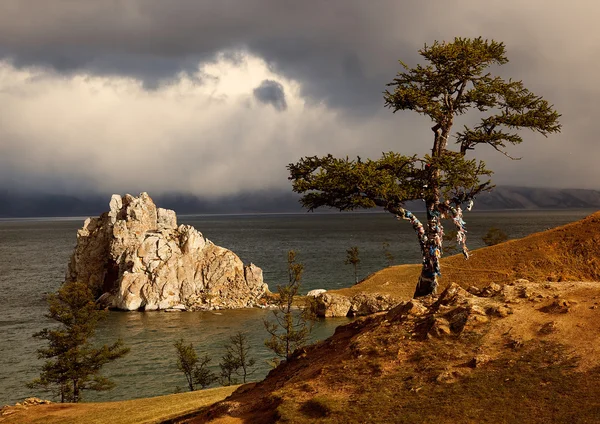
x=330, y=305
x=520, y=352
x=136, y=257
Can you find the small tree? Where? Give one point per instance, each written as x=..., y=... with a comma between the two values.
x=386, y=252
x=494, y=236
x=353, y=259
x=195, y=369
x=72, y=364
x=229, y=364
x=290, y=330
x=237, y=359
x=454, y=81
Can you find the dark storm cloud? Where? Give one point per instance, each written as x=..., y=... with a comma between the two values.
x=341, y=53
x=271, y=92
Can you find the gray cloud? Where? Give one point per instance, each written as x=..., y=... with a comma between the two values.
x=338, y=55
x=271, y=92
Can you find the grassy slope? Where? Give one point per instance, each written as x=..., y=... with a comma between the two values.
x=378, y=370
x=148, y=410
x=382, y=370
x=566, y=253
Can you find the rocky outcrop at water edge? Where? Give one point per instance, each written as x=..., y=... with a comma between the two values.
x=136, y=257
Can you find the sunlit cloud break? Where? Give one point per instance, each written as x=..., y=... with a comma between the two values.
x=205, y=132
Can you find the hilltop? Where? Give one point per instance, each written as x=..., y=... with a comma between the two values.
x=522, y=345
x=565, y=253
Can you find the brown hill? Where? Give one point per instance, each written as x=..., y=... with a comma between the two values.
x=528, y=353
x=518, y=352
x=566, y=253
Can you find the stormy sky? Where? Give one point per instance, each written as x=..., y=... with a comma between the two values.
x=216, y=97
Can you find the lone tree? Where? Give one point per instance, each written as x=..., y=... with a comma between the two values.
x=453, y=82
x=73, y=365
x=237, y=359
x=195, y=369
x=494, y=236
x=353, y=259
x=291, y=329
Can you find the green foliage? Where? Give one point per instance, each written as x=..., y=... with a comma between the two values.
x=291, y=329
x=388, y=182
x=494, y=236
x=73, y=364
x=236, y=359
x=229, y=364
x=353, y=259
x=454, y=81
x=194, y=368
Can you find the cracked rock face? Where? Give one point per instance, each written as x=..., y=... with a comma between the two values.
x=136, y=257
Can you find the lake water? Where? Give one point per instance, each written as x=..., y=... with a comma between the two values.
x=34, y=255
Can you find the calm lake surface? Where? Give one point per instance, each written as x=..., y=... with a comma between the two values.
x=34, y=255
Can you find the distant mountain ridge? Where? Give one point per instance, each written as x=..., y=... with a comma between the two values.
x=501, y=198
x=510, y=197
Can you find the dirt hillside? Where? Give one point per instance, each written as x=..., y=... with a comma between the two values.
x=521, y=345
x=524, y=352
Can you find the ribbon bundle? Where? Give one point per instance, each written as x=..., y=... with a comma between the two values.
x=432, y=246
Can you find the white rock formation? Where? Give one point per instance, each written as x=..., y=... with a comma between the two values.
x=135, y=257
x=315, y=292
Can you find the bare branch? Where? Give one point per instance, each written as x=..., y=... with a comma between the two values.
x=503, y=152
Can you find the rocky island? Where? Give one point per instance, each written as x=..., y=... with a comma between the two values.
x=136, y=257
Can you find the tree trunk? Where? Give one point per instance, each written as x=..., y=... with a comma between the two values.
x=431, y=249
x=75, y=391
x=430, y=241
x=431, y=245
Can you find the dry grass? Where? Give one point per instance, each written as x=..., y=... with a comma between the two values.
x=534, y=385
x=566, y=253
x=148, y=410
x=378, y=371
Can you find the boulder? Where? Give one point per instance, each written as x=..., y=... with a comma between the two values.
x=410, y=308
x=331, y=305
x=136, y=257
x=370, y=303
x=488, y=291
